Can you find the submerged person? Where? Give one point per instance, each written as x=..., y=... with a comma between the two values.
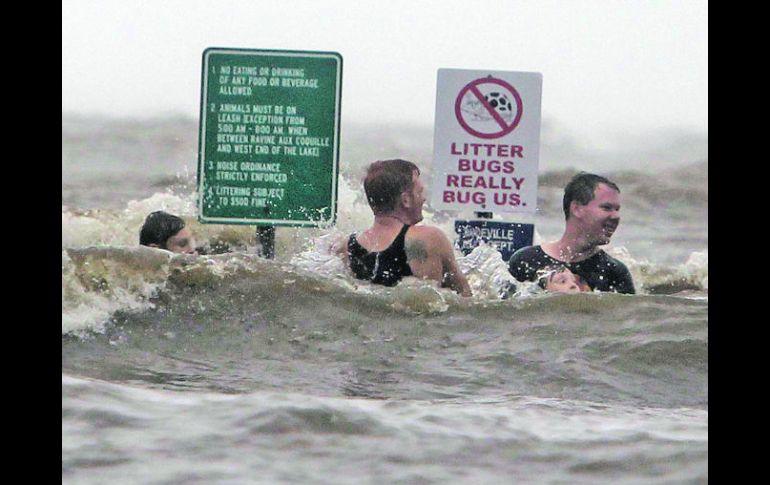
x=394, y=246
x=167, y=231
x=591, y=207
x=560, y=279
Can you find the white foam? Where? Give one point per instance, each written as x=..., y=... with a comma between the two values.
x=486, y=272
x=119, y=228
x=97, y=282
x=646, y=274
x=697, y=268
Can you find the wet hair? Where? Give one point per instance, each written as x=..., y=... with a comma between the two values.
x=581, y=189
x=544, y=275
x=158, y=227
x=385, y=181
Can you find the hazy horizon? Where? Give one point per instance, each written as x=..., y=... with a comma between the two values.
x=608, y=68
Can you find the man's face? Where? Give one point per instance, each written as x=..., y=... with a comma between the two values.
x=416, y=199
x=181, y=242
x=601, y=216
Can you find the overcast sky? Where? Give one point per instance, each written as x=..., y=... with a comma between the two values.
x=608, y=66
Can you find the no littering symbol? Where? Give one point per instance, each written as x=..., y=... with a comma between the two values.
x=488, y=108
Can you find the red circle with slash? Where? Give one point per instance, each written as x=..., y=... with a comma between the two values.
x=505, y=128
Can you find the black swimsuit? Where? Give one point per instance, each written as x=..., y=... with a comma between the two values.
x=383, y=267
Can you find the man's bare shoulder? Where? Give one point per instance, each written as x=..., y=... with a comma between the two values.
x=424, y=241
x=426, y=233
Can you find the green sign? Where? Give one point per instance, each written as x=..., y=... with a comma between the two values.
x=269, y=137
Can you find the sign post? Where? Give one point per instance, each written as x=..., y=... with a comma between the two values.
x=269, y=139
x=486, y=149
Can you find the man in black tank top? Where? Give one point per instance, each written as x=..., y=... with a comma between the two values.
x=385, y=267
x=394, y=246
x=591, y=207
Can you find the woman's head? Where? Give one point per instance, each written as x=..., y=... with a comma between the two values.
x=166, y=231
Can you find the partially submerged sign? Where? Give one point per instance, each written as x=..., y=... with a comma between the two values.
x=486, y=140
x=269, y=137
x=506, y=237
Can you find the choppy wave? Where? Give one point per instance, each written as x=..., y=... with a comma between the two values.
x=187, y=322
x=283, y=413
x=98, y=281
x=298, y=437
x=115, y=231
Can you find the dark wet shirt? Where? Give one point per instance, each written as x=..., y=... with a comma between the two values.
x=385, y=267
x=601, y=271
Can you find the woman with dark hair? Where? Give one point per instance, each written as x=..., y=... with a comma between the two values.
x=167, y=231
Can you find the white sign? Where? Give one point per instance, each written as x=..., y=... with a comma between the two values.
x=486, y=140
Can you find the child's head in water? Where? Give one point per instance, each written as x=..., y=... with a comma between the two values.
x=561, y=280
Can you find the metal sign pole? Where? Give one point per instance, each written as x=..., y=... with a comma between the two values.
x=266, y=240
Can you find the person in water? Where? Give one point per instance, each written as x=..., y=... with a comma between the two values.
x=167, y=231
x=395, y=246
x=591, y=207
x=559, y=279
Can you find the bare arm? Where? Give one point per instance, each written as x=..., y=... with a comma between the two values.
x=431, y=256
x=453, y=277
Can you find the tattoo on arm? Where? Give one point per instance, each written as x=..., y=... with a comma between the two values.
x=416, y=251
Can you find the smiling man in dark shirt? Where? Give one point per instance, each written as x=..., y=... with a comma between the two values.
x=591, y=208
